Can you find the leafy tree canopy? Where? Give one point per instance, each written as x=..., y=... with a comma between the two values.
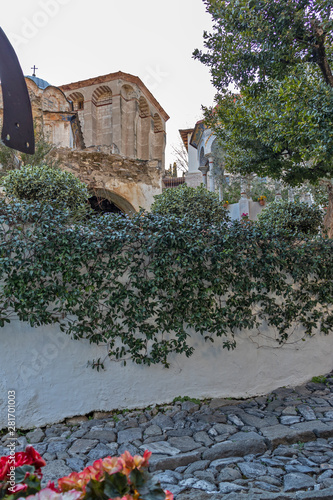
x=48, y=185
x=193, y=203
x=278, y=54
x=293, y=217
x=256, y=40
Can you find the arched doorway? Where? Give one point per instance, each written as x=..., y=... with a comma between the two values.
x=102, y=205
x=105, y=201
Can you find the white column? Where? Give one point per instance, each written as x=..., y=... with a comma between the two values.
x=211, y=174
x=204, y=170
x=278, y=196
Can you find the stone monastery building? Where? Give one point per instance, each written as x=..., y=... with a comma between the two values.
x=109, y=131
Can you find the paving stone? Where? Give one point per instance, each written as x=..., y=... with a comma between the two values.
x=184, y=444
x=129, y=435
x=152, y=430
x=240, y=436
x=53, y=470
x=271, y=480
x=280, y=434
x=100, y=451
x=161, y=447
x=289, y=419
x=101, y=434
x=228, y=474
x=297, y=481
x=290, y=410
x=316, y=427
x=76, y=464
x=82, y=446
x=206, y=475
x=252, y=470
x=225, y=429
x=163, y=421
x=205, y=486
x=199, y=465
x=35, y=436
x=220, y=463
x=174, y=461
x=202, y=437
x=232, y=448
x=190, y=407
x=226, y=487
x=306, y=412
x=235, y=420
x=266, y=486
x=57, y=446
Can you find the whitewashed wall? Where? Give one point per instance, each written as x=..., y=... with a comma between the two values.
x=49, y=373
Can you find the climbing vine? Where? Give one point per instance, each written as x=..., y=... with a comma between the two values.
x=141, y=284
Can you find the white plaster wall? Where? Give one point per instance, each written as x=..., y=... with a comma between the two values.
x=236, y=209
x=49, y=373
x=193, y=162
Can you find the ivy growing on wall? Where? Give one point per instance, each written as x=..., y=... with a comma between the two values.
x=140, y=285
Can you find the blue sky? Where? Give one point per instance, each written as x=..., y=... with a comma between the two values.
x=70, y=40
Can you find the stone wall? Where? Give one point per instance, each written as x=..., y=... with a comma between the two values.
x=52, y=381
x=117, y=110
x=128, y=183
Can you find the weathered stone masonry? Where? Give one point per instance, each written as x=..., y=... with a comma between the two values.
x=109, y=131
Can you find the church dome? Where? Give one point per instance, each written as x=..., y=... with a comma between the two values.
x=42, y=84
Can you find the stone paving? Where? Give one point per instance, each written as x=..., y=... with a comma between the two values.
x=278, y=446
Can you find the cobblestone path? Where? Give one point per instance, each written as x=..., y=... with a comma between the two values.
x=278, y=446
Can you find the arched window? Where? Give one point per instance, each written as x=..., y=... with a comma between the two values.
x=159, y=138
x=143, y=108
x=143, y=133
x=102, y=116
x=102, y=96
x=77, y=100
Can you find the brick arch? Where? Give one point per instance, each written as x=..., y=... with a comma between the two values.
x=102, y=96
x=143, y=129
x=127, y=92
x=122, y=203
x=143, y=108
x=159, y=138
x=77, y=99
x=158, y=125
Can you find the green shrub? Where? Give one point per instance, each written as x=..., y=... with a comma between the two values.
x=193, y=203
x=144, y=285
x=47, y=185
x=292, y=217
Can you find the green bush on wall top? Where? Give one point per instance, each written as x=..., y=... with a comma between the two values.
x=48, y=185
x=194, y=203
x=141, y=284
x=294, y=217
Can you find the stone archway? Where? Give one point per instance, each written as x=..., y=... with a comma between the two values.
x=111, y=202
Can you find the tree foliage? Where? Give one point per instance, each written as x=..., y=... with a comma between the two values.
x=254, y=41
x=278, y=55
x=140, y=285
x=12, y=160
x=193, y=203
x=293, y=217
x=47, y=185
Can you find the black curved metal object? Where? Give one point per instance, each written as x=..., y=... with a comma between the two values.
x=17, y=130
